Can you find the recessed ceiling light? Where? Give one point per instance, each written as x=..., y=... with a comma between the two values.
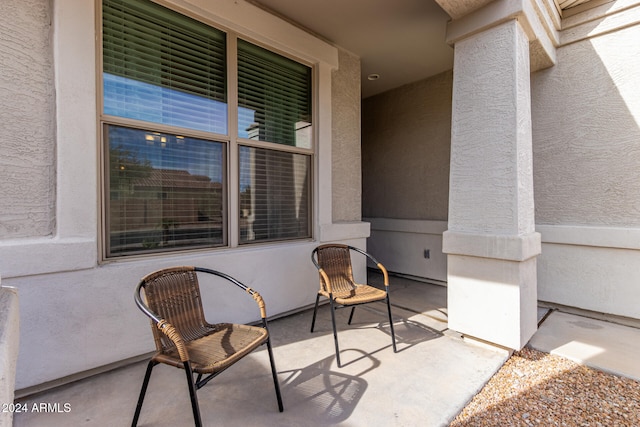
x=373, y=76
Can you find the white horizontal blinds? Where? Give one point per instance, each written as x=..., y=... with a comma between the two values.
x=274, y=195
x=274, y=97
x=163, y=67
x=274, y=105
x=166, y=191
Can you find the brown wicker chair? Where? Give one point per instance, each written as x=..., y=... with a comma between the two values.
x=183, y=337
x=333, y=262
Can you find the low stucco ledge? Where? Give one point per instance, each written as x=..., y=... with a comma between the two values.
x=504, y=247
x=344, y=231
x=18, y=257
x=9, y=338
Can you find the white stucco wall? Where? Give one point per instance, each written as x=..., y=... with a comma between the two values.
x=410, y=247
x=78, y=314
x=77, y=321
x=586, y=130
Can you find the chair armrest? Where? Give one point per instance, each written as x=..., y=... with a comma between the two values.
x=258, y=298
x=171, y=333
x=165, y=327
x=325, y=279
x=378, y=264
x=385, y=274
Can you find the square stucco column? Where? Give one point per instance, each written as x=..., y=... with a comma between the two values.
x=491, y=242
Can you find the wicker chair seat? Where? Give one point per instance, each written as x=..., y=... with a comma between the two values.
x=224, y=345
x=360, y=294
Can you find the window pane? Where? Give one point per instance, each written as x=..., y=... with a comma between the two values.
x=274, y=97
x=274, y=195
x=166, y=191
x=163, y=67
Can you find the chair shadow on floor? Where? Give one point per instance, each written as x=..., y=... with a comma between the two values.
x=330, y=395
x=408, y=332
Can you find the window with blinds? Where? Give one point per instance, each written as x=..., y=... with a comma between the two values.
x=163, y=67
x=274, y=105
x=166, y=140
x=166, y=192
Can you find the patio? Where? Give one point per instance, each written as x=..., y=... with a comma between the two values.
x=431, y=378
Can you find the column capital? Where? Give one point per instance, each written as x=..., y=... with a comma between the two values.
x=538, y=18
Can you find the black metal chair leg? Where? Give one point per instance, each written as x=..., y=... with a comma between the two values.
x=335, y=331
x=276, y=383
x=192, y=394
x=393, y=334
x=143, y=391
x=353, y=309
x=315, y=310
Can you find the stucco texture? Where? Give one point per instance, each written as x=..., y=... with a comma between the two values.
x=345, y=150
x=27, y=134
x=406, y=136
x=586, y=133
x=491, y=177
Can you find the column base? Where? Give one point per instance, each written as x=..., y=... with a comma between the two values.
x=494, y=300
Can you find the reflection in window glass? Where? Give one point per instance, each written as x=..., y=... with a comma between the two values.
x=274, y=97
x=274, y=195
x=163, y=67
x=132, y=99
x=165, y=191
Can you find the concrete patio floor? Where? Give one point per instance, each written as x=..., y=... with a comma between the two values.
x=427, y=382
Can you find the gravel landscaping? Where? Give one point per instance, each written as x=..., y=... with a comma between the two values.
x=540, y=389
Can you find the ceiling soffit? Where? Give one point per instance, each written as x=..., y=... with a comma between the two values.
x=457, y=9
x=567, y=4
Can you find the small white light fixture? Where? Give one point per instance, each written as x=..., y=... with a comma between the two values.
x=373, y=76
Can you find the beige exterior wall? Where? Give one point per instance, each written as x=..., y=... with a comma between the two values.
x=406, y=138
x=586, y=143
x=586, y=115
x=27, y=103
x=345, y=135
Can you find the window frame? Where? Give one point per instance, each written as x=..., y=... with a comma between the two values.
x=232, y=142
